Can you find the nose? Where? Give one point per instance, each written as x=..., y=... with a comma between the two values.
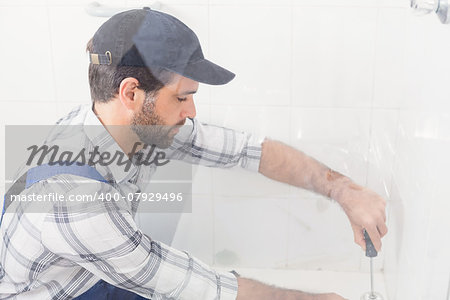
x=189, y=110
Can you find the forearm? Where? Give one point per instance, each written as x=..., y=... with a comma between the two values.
x=250, y=289
x=286, y=164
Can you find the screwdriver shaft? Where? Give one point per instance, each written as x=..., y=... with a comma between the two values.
x=372, y=295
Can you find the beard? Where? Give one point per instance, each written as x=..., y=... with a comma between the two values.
x=150, y=127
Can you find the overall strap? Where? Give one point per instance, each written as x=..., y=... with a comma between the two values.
x=43, y=172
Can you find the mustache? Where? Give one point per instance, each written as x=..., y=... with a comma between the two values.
x=181, y=123
x=177, y=125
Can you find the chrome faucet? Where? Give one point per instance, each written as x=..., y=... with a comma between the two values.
x=440, y=7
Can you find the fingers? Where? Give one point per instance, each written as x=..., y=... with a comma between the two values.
x=376, y=228
x=382, y=229
x=375, y=237
x=332, y=296
x=359, y=236
x=374, y=234
x=366, y=209
x=384, y=215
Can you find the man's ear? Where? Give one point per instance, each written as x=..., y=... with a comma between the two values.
x=128, y=90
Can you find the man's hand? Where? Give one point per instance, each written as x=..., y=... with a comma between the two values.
x=365, y=210
x=250, y=289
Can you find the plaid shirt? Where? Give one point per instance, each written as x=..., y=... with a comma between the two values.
x=56, y=255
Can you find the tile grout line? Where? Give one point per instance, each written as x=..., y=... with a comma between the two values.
x=52, y=55
x=212, y=198
x=395, y=156
x=371, y=111
x=291, y=95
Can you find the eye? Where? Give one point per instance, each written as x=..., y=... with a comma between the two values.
x=182, y=99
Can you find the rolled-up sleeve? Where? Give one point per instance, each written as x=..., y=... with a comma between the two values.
x=217, y=146
x=108, y=243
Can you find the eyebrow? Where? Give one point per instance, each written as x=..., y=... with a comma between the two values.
x=187, y=93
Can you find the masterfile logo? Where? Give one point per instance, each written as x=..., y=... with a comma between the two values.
x=157, y=179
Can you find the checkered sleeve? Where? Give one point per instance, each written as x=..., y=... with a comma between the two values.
x=217, y=146
x=107, y=243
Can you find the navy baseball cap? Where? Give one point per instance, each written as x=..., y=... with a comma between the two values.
x=149, y=38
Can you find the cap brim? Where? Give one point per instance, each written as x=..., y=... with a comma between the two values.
x=205, y=71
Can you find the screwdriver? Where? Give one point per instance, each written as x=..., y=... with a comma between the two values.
x=370, y=252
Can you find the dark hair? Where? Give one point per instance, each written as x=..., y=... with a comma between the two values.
x=104, y=80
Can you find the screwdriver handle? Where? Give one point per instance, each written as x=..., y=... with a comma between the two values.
x=370, y=248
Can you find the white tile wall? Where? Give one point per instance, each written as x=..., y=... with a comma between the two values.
x=26, y=55
x=413, y=189
x=336, y=137
x=327, y=41
x=438, y=262
x=360, y=85
x=352, y=3
x=415, y=262
x=253, y=42
x=174, y=2
x=238, y=182
x=28, y=113
x=23, y=3
x=83, y=3
x=389, y=81
x=251, y=2
x=202, y=180
x=328, y=3
x=416, y=265
x=426, y=78
x=203, y=96
x=69, y=55
x=261, y=121
x=382, y=151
